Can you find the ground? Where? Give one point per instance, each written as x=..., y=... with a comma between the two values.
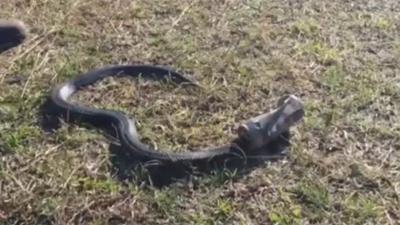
x=341, y=57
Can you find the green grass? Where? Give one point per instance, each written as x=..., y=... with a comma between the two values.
x=341, y=57
x=320, y=51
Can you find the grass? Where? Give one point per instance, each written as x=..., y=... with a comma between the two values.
x=341, y=57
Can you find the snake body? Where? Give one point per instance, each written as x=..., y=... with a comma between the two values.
x=124, y=129
x=258, y=135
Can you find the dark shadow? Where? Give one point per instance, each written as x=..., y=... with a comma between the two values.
x=129, y=168
x=48, y=120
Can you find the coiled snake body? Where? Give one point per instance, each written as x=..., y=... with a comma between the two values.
x=254, y=135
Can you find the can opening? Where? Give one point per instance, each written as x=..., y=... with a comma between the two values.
x=261, y=130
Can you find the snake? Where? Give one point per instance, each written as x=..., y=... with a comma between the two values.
x=253, y=136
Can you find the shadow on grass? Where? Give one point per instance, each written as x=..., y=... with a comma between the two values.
x=127, y=167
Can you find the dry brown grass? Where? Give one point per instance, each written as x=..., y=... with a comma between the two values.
x=341, y=57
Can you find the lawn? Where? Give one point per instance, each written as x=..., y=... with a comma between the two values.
x=340, y=57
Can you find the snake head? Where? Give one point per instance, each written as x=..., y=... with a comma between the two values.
x=261, y=130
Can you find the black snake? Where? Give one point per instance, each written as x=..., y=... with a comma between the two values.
x=253, y=136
